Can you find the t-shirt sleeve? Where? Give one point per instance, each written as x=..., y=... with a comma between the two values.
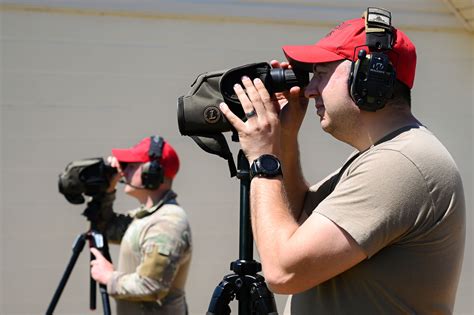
x=378, y=200
x=318, y=193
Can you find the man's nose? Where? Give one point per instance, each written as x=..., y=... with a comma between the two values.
x=311, y=90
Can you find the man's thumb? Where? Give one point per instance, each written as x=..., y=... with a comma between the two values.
x=96, y=252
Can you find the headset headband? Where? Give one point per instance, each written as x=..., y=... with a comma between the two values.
x=372, y=78
x=378, y=29
x=156, y=148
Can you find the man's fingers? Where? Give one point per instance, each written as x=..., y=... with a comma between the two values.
x=250, y=99
x=297, y=97
x=276, y=64
x=264, y=96
x=254, y=96
x=243, y=98
x=231, y=117
x=97, y=254
x=295, y=94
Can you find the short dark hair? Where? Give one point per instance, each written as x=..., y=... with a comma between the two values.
x=401, y=95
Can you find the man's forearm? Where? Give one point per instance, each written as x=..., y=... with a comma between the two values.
x=111, y=224
x=293, y=179
x=134, y=287
x=273, y=222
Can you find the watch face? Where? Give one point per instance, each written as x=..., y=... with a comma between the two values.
x=265, y=166
x=268, y=163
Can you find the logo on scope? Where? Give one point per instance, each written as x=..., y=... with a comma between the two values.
x=212, y=114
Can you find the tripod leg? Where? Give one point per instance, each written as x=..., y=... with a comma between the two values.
x=104, y=295
x=76, y=250
x=252, y=292
x=263, y=302
x=98, y=241
x=223, y=294
x=105, y=299
x=243, y=296
x=92, y=290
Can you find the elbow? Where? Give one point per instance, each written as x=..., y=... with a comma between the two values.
x=294, y=280
x=280, y=281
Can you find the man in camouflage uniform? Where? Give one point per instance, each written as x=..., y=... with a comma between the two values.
x=155, y=238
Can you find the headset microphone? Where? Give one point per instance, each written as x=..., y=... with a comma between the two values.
x=124, y=181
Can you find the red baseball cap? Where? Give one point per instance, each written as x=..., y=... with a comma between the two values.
x=140, y=153
x=341, y=43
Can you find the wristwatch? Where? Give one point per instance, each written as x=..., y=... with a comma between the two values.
x=266, y=166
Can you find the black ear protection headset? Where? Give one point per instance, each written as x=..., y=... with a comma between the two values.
x=372, y=78
x=152, y=171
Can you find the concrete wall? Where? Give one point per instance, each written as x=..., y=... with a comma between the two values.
x=74, y=86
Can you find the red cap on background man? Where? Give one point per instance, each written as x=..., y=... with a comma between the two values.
x=345, y=41
x=169, y=160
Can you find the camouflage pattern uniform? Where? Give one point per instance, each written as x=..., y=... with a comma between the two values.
x=154, y=259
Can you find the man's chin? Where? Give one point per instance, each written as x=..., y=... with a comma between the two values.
x=324, y=123
x=326, y=126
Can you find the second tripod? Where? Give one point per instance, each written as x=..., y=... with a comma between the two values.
x=96, y=240
x=245, y=283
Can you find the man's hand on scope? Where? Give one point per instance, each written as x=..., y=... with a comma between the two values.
x=276, y=116
x=260, y=133
x=291, y=116
x=101, y=268
x=112, y=161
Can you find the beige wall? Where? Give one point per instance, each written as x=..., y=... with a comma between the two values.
x=74, y=86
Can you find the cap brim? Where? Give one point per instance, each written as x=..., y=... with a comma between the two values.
x=125, y=155
x=305, y=56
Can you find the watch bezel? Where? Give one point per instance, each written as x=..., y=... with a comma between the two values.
x=257, y=168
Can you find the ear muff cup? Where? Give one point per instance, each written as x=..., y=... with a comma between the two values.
x=372, y=80
x=152, y=172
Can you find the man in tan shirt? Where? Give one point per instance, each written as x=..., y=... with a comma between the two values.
x=385, y=233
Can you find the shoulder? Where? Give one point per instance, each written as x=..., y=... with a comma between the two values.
x=170, y=218
x=418, y=145
x=380, y=166
x=410, y=157
x=172, y=212
x=169, y=226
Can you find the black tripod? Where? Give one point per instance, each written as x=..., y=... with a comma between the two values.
x=245, y=284
x=97, y=240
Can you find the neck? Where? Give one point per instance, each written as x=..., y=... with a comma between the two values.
x=378, y=124
x=155, y=197
x=149, y=198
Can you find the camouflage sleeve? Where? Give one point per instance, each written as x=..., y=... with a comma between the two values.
x=164, y=247
x=112, y=225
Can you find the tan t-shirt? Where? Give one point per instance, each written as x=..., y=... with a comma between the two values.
x=402, y=201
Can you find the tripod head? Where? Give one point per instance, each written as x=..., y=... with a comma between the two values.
x=92, y=211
